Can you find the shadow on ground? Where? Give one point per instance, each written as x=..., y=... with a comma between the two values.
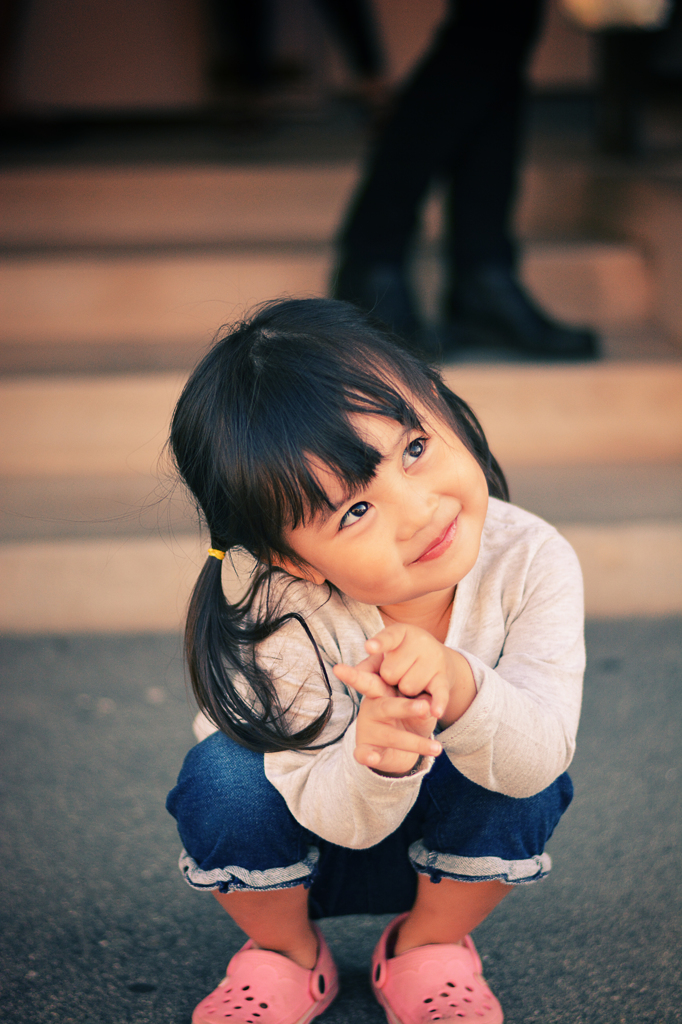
x=98, y=927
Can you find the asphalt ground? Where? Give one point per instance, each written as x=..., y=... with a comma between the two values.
x=97, y=925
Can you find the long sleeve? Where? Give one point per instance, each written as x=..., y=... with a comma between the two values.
x=519, y=733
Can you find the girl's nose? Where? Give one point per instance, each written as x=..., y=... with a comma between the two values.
x=417, y=509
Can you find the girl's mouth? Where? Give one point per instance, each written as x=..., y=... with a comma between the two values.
x=440, y=544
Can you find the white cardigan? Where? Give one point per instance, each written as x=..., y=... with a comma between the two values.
x=518, y=620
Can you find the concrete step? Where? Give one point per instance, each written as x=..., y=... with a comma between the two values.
x=137, y=584
x=123, y=267
x=594, y=414
x=90, y=541
x=107, y=245
x=90, y=207
x=112, y=554
x=225, y=203
x=81, y=507
x=133, y=206
x=132, y=269
x=138, y=312
x=168, y=298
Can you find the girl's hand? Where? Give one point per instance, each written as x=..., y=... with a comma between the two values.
x=416, y=664
x=392, y=731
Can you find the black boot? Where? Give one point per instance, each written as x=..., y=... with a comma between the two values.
x=380, y=289
x=489, y=307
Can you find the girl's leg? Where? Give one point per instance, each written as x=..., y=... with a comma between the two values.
x=448, y=911
x=474, y=835
x=242, y=843
x=475, y=846
x=276, y=919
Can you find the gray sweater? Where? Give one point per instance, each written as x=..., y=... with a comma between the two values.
x=518, y=620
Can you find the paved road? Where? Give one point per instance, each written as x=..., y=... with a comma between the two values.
x=97, y=926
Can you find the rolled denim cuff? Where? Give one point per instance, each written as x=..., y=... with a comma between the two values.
x=234, y=878
x=478, y=869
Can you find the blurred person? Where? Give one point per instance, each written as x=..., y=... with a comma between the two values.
x=458, y=120
x=636, y=65
x=12, y=13
x=244, y=36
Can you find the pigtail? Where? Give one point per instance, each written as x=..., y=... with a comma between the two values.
x=210, y=622
x=220, y=645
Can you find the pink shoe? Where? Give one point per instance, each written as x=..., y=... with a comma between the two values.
x=262, y=987
x=436, y=982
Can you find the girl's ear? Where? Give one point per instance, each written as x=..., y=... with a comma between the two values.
x=307, y=572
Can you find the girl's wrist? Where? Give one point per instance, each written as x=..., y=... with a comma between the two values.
x=416, y=767
x=463, y=689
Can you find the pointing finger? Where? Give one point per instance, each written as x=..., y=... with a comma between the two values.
x=387, y=708
x=367, y=683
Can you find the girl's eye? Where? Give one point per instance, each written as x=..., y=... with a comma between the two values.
x=354, y=513
x=414, y=450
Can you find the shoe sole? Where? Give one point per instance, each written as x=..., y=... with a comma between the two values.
x=465, y=334
x=390, y=1016
x=320, y=1007
x=392, y=1019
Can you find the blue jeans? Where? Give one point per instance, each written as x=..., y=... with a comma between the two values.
x=238, y=833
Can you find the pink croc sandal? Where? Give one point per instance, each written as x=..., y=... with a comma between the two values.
x=262, y=987
x=432, y=983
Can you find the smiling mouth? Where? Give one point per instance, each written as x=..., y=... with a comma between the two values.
x=440, y=544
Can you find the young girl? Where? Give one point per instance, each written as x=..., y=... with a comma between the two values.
x=396, y=696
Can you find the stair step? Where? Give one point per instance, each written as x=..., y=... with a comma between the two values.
x=595, y=414
x=152, y=206
x=131, y=269
x=165, y=299
x=142, y=584
x=249, y=202
x=145, y=299
x=88, y=449
x=576, y=415
x=161, y=255
x=85, y=507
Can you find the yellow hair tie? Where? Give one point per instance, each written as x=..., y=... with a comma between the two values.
x=216, y=554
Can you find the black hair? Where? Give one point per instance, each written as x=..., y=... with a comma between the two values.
x=274, y=393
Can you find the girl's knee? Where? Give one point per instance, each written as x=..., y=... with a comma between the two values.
x=227, y=811
x=219, y=780
x=473, y=833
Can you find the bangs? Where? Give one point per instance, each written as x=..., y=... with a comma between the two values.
x=308, y=423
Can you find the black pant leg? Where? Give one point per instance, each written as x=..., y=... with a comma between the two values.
x=354, y=25
x=462, y=87
x=481, y=190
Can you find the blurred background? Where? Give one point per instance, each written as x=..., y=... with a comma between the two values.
x=154, y=185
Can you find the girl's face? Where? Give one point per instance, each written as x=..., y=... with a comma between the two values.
x=413, y=530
